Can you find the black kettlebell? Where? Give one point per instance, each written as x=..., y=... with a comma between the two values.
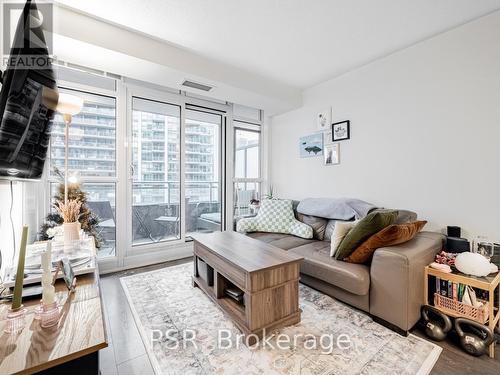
x=472, y=343
x=435, y=329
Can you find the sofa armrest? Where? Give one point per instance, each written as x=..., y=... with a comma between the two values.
x=396, y=279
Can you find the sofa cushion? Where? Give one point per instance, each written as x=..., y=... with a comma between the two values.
x=275, y=216
x=368, y=226
x=330, y=227
x=267, y=237
x=318, y=225
x=390, y=236
x=354, y=278
x=290, y=242
x=339, y=233
x=404, y=216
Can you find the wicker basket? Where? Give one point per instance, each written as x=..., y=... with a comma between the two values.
x=459, y=309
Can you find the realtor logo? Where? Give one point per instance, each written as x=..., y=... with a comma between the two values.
x=28, y=33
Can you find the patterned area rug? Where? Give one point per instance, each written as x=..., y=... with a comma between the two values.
x=181, y=326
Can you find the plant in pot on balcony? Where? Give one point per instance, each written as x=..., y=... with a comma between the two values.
x=70, y=212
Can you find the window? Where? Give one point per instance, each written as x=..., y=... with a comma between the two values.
x=203, y=171
x=92, y=138
x=155, y=166
x=91, y=160
x=246, y=167
x=156, y=204
x=247, y=151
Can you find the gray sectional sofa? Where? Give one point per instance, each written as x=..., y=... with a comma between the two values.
x=390, y=288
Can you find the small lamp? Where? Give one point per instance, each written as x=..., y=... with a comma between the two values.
x=68, y=105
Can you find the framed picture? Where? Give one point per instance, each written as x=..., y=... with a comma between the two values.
x=311, y=145
x=331, y=154
x=324, y=119
x=328, y=137
x=341, y=130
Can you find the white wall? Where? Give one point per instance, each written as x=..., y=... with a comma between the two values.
x=425, y=132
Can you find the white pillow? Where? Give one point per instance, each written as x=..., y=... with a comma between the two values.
x=339, y=232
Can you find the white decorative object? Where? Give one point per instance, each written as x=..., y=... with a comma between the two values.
x=493, y=268
x=71, y=232
x=472, y=264
x=48, y=290
x=324, y=119
x=442, y=267
x=55, y=232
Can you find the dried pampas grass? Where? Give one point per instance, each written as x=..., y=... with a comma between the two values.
x=69, y=211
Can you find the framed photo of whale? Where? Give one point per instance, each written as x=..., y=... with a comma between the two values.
x=311, y=145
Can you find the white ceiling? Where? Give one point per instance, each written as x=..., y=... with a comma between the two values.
x=296, y=42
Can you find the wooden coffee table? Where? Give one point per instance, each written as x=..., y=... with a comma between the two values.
x=267, y=276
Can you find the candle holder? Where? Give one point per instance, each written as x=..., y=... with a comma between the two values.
x=49, y=316
x=38, y=311
x=15, y=321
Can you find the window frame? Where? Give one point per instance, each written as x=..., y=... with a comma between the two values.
x=124, y=90
x=240, y=123
x=49, y=179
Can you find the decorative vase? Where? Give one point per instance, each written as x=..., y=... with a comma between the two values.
x=71, y=233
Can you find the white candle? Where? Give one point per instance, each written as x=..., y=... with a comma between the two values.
x=47, y=259
x=48, y=292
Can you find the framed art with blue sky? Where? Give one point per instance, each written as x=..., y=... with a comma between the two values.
x=311, y=145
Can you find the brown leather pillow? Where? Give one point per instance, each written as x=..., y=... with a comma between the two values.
x=392, y=235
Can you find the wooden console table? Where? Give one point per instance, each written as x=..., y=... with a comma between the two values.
x=268, y=277
x=71, y=347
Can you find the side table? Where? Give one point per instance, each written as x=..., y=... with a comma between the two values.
x=488, y=283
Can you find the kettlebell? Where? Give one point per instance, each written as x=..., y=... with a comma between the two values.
x=435, y=329
x=471, y=343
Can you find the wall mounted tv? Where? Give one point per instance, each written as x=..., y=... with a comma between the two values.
x=26, y=100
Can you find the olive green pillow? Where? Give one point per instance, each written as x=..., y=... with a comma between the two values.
x=367, y=227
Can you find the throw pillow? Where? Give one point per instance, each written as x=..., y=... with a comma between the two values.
x=318, y=225
x=372, y=223
x=330, y=226
x=275, y=216
x=392, y=235
x=339, y=232
x=404, y=216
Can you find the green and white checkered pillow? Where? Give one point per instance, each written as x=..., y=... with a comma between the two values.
x=275, y=216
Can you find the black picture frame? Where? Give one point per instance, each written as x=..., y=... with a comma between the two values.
x=347, y=124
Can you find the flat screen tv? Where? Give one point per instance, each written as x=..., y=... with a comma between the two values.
x=25, y=119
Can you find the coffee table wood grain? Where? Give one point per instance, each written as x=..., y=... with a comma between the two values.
x=268, y=277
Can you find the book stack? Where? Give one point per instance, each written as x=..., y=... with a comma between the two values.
x=457, y=291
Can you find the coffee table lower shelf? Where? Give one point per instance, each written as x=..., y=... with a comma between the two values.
x=270, y=291
x=237, y=313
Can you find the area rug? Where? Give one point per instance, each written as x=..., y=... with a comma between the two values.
x=181, y=329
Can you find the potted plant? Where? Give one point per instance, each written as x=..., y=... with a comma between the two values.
x=70, y=212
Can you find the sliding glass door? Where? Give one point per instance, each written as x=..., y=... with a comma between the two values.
x=92, y=164
x=203, y=170
x=155, y=170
